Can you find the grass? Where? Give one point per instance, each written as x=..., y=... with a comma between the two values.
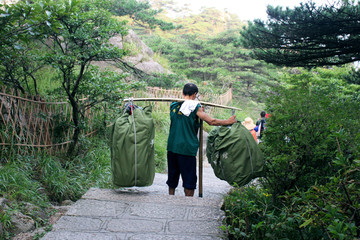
x=162, y=126
x=46, y=180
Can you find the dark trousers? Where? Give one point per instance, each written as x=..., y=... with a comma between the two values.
x=181, y=165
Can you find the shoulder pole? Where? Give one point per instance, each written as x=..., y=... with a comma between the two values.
x=179, y=100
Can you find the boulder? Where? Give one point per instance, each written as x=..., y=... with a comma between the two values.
x=34, y=211
x=22, y=223
x=141, y=56
x=67, y=203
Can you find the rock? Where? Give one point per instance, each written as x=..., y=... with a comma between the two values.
x=22, y=223
x=35, y=211
x=3, y=202
x=67, y=203
x=60, y=211
x=141, y=57
x=29, y=235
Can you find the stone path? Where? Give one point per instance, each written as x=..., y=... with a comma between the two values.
x=145, y=213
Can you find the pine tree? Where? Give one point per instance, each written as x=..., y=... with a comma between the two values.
x=307, y=35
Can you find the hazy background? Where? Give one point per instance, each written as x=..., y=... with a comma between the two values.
x=245, y=9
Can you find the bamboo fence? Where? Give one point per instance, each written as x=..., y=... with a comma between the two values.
x=29, y=124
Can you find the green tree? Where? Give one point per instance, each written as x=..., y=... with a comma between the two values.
x=141, y=13
x=307, y=35
x=78, y=33
x=18, y=45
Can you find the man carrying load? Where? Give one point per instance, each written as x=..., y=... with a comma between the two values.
x=183, y=143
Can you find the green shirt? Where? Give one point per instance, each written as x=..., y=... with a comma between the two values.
x=183, y=131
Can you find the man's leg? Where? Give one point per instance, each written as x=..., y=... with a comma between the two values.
x=189, y=192
x=171, y=191
x=173, y=172
x=188, y=173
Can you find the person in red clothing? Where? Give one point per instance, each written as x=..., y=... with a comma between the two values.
x=249, y=124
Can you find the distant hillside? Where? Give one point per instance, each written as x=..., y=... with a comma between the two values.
x=209, y=22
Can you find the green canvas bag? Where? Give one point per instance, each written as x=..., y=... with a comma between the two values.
x=132, y=149
x=234, y=155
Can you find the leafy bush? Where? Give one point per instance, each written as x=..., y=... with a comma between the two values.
x=311, y=189
x=329, y=211
x=302, y=136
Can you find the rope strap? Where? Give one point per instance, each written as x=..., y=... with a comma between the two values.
x=135, y=152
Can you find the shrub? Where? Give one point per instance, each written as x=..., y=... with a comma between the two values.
x=329, y=211
x=311, y=188
x=302, y=136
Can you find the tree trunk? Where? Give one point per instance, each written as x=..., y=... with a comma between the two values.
x=76, y=134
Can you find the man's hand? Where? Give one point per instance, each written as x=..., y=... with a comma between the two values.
x=232, y=119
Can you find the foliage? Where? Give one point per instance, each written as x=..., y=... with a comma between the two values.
x=66, y=37
x=141, y=13
x=162, y=126
x=208, y=22
x=329, y=211
x=80, y=33
x=18, y=47
x=43, y=179
x=307, y=117
x=167, y=81
x=311, y=189
x=306, y=35
x=215, y=60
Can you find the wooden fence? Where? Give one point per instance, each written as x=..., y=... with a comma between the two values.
x=28, y=125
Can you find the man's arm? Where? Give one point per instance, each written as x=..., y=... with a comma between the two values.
x=213, y=121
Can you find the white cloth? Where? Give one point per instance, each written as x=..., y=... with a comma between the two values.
x=188, y=106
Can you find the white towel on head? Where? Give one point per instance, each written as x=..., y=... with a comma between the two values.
x=188, y=106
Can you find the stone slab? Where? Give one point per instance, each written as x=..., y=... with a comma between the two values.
x=146, y=213
x=206, y=213
x=157, y=211
x=78, y=224
x=82, y=236
x=134, y=225
x=97, y=208
x=183, y=236
x=190, y=226
x=144, y=197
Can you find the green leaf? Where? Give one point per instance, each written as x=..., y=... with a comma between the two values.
x=307, y=222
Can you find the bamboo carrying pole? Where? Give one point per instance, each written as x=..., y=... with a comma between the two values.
x=178, y=100
x=201, y=127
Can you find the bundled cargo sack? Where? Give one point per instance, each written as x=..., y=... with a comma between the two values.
x=132, y=148
x=234, y=155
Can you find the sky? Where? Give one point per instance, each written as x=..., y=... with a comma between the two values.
x=246, y=9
